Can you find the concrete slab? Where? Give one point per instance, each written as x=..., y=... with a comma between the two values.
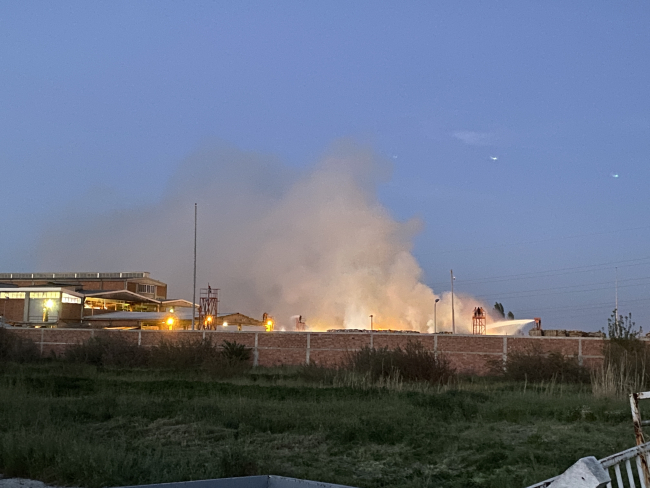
x=586, y=473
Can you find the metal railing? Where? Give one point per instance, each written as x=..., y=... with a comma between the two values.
x=626, y=468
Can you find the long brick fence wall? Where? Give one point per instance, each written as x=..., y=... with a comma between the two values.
x=467, y=353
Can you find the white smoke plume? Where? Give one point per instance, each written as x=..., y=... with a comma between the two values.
x=316, y=243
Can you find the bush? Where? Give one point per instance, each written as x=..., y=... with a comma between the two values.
x=626, y=368
x=234, y=353
x=184, y=354
x=234, y=461
x=108, y=349
x=315, y=373
x=14, y=348
x=114, y=350
x=534, y=365
x=413, y=363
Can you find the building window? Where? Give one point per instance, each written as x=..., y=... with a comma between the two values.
x=44, y=294
x=147, y=289
x=65, y=298
x=20, y=295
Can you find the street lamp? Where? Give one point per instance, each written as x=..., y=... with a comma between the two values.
x=435, y=321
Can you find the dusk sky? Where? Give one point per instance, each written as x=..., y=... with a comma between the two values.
x=518, y=132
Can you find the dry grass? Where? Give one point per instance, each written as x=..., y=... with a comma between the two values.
x=618, y=379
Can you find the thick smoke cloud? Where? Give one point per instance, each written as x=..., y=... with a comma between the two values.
x=273, y=239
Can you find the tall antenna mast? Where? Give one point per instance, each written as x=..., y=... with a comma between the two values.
x=194, y=282
x=453, y=317
x=616, y=307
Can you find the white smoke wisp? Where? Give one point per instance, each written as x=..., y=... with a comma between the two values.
x=316, y=243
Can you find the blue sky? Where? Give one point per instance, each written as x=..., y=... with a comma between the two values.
x=101, y=101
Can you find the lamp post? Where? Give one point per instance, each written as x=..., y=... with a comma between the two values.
x=371, y=323
x=435, y=319
x=194, y=282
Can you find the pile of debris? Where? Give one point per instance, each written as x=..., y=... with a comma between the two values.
x=383, y=331
x=564, y=333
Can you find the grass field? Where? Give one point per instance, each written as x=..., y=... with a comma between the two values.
x=81, y=425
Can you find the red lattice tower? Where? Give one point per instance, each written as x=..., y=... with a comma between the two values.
x=208, y=307
x=478, y=321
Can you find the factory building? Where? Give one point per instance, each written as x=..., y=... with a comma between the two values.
x=69, y=299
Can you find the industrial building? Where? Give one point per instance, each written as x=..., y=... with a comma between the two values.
x=70, y=299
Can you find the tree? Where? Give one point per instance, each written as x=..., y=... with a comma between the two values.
x=511, y=316
x=498, y=308
x=622, y=327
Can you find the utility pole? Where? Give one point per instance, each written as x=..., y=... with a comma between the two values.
x=194, y=282
x=616, y=297
x=371, y=323
x=435, y=319
x=453, y=317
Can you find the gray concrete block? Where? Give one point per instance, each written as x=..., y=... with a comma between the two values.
x=282, y=482
x=246, y=482
x=586, y=473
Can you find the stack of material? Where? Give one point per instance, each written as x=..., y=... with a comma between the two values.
x=564, y=333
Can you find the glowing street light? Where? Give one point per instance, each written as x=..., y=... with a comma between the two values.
x=47, y=306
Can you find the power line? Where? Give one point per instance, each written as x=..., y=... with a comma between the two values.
x=550, y=239
x=553, y=272
x=566, y=289
x=590, y=307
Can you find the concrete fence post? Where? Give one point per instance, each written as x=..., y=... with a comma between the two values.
x=308, y=347
x=256, y=353
x=580, y=351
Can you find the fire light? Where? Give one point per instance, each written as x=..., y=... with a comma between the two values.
x=170, y=321
x=49, y=304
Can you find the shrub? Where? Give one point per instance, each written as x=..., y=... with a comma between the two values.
x=413, y=363
x=534, y=365
x=234, y=461
x=17, y=349
x=626, y=367
x=315, y=373
x=108, y=349
x=235, y=353
x=184, y=354
x=114, y=350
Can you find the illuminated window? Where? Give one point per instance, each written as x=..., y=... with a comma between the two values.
x=44, y=294
x=65, y=298
x=147, y=289
x=20, y=295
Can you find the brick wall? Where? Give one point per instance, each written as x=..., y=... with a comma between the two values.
x=70, y=312
x=14, y=308
x=469, y=354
